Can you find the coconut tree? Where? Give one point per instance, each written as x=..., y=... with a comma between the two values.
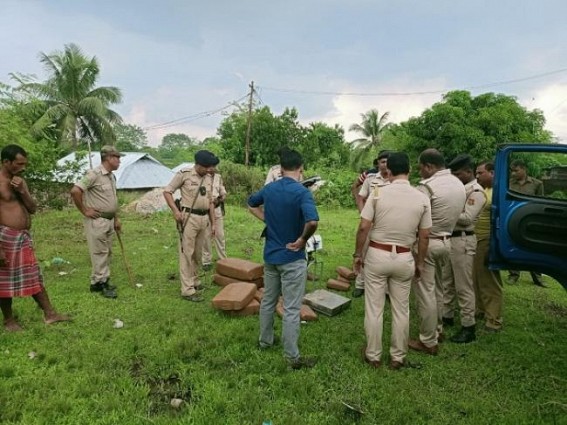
x=73, y=104
x=372, y=128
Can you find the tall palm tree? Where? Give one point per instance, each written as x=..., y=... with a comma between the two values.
x=372, y=128
x=78, y=110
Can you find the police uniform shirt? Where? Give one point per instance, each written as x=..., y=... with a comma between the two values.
x=188, y=181
x=217, y=187
x=447, y=195
x=476, y=198
x=397, y=211
x=482, y=228
x=372, y=181
x=99, y=190
x=530, y=187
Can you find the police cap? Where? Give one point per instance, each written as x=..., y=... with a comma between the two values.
x=461, y=161
x=206, y=158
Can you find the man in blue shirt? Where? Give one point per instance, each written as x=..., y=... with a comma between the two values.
x=291, y=218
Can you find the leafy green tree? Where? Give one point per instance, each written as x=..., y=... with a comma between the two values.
x=373, y=126
x=176, y=148
x=461, y=123
x=269, y=133
x=73, y=104
x=324, y=146
x=129, y=137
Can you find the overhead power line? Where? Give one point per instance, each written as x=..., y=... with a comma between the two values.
x=193, y=117
x=415, y=93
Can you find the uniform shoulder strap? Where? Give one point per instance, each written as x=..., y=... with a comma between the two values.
x=428, y=189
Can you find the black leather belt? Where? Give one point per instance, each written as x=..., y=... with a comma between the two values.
x=458, y=233
x=196, y=211
x=107, y=215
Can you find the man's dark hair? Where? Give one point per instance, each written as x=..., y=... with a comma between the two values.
x=291, y=160
x=433, y=157
x=398, y=163
x=375, y=162
x=488, y=165
x=10, y=152
x=519, y=163
x=383, y=154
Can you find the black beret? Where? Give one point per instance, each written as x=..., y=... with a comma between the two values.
x=461, y=161
x=206, y=158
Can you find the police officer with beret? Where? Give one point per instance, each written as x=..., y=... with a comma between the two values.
x=459, y=279
x=193, y=215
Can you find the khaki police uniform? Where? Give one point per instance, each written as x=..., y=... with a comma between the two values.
x=459, y=285
x=195, y=207
x=99, y=192
x=397, y=212
x=487, y=283
x=447, y=196
x=368, y=187
x=217, y=190
x=275, y=173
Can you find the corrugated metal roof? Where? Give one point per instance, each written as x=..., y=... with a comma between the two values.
x=137, y=170
x=182, y=166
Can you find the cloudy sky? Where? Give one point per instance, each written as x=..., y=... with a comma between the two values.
x=331, y=59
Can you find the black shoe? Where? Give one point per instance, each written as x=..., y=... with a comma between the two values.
x=448, y=321
x=302, y=363
x=97, y=287
x=358, y=292
x=109, y=293
x=193, y=298
x=106, y=284
x=466, y=335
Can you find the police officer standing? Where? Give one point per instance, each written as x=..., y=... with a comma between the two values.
x=193, y=216
x=447, y=196
x=463, y=248
x=371, y=182
x=219, y=195
x=95, y=197
x=392, y=217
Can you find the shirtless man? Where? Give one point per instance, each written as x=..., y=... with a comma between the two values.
x=20, y=275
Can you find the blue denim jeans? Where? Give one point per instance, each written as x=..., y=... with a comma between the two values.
x=289, y=281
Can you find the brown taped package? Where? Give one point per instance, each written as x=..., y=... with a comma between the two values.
x=346, y=273
x=306, y=313
x=339, y=285
x=259, y=294
x=342, y=279
x=253, y=307
x=234, y=296
x=240, y=269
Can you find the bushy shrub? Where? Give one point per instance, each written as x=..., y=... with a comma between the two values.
x=336, y=192
x=240, y=181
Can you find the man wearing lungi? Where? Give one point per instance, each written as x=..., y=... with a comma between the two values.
x=20, y=275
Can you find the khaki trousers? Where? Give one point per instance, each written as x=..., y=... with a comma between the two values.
x=383, y=271
x=459, y=285
x=220, y=242
x=359, y=282
x=194, y=235
x=429, y=291
x=99, y=240
x=488, y=287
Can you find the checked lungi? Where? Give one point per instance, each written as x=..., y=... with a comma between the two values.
x=20, y=276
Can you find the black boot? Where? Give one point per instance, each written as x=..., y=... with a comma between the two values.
x=466, y=334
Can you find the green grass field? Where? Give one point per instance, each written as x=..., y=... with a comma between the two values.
x=88, y=372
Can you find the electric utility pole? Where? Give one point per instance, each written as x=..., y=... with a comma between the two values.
x=247, y=147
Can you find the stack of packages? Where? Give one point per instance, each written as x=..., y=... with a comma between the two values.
x=242, y=283
x=242, y=292
x=344, y=278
